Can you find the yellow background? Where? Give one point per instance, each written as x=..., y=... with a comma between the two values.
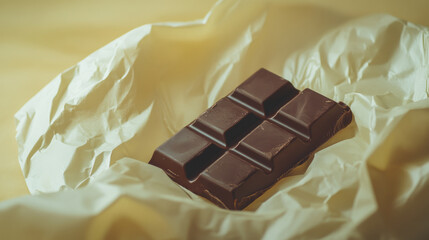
x=40, y=39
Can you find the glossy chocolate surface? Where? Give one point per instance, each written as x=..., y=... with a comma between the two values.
x=249, y=139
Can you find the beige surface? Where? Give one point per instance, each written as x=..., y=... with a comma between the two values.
x=40, y=39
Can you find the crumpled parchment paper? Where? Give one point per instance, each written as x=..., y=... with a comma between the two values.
x=85, y=139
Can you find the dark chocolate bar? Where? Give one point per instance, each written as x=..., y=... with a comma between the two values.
x=250, y=139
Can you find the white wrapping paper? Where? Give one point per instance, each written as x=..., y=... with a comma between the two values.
x=85, y=139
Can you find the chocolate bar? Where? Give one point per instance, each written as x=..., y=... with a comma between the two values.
x=250, y=139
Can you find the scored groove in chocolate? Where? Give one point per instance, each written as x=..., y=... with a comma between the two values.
x=248, y=140
x=202, y=161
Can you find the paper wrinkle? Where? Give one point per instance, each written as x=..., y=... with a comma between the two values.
x=95, y=125
x=86, y=104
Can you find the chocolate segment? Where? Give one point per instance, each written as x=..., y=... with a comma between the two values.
x=250, y=139
x=225, y=122
x=265, y=144
x=264, y=93
x=310, y=115
x=228, y=179
x=185, y=155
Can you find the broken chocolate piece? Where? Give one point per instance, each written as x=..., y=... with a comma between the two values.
x=248, y=140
